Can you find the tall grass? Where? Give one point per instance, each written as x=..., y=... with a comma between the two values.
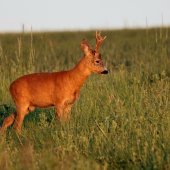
x=120, y=121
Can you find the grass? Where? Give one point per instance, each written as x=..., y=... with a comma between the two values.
x=120, y=121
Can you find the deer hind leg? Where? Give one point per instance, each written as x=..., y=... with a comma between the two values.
x=21, y=112
x=8, y=121
x=23, y=108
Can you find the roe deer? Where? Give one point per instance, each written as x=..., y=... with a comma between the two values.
x=59, y=89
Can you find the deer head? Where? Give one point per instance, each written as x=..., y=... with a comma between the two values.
x=93, y=57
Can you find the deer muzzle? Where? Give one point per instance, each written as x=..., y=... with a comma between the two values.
x=104, y=72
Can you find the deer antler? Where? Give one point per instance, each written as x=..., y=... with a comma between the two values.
x=98, y=41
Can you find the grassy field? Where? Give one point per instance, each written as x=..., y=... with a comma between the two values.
x=120, y=121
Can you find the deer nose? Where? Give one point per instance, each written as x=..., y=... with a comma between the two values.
x=104, y=72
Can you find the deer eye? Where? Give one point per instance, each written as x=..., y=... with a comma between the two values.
x=97, y=61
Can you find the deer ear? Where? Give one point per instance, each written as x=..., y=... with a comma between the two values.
x=85, y=46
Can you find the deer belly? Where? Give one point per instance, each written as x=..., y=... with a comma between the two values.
x=42, y=101
x=42, y=104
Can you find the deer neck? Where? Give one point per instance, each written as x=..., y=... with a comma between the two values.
x=80, y=73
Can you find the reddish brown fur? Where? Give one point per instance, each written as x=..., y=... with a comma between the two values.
x=59, y=89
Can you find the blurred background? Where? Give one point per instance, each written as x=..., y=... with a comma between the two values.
x=57, y=15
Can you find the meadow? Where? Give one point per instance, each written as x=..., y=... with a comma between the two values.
x=120, y=121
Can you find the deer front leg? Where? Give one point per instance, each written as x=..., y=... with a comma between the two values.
x=63, y=112
x=59, y=112
x=67, y=112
